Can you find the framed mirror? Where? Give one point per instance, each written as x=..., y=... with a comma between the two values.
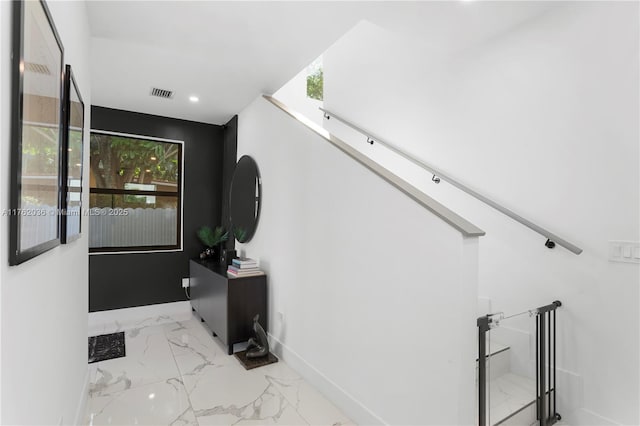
x=244, y=199
x=72, y=148
x=36, y=126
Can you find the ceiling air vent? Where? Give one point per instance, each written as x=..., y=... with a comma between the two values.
x=161, y=93
x=37, y=68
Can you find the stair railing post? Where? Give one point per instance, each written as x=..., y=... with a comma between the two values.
x=483, y=328
x=542, y=407
x=555, y=407
x=547, y=410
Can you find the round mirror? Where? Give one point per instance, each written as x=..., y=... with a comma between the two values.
x=244, y=199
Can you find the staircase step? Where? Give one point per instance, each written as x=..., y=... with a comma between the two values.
x=526, y=416
x=512, y=400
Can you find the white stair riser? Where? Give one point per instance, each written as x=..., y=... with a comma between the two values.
x=497, y=365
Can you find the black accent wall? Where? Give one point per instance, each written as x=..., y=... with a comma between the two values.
x=230, y=153
x=128, y=280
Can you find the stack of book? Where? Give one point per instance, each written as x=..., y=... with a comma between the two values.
x=244, y=267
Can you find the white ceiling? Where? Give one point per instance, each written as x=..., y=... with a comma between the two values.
x=229, y=52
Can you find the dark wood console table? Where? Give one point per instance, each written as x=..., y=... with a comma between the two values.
x=227, y=305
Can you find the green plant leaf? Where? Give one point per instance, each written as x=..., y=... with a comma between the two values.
x=240, y=234
x=212, y=238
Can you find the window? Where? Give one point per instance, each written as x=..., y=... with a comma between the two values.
x=135, y=193
x=315, y=80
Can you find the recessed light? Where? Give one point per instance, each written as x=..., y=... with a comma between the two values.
x=193, y=98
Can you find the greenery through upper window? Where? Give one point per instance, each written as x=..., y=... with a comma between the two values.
x=315, y=80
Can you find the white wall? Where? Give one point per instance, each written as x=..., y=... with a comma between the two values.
x=44, y=301
x=542, y=118
x=369, y=283
x=3, y=230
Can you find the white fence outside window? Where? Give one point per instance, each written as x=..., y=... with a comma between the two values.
x=133, y=227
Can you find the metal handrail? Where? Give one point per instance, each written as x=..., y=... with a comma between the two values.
x=467, y=228
x=552, y=239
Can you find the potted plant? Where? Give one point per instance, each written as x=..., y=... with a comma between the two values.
x=212, y=239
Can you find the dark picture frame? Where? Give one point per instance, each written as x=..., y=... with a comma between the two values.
x=36, y=132
x=72, y=159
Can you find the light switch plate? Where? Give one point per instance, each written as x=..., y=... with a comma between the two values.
x=624, y=251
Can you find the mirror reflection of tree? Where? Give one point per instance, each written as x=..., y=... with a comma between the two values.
x=39, y=165
x=39, y=150
x=74, y=155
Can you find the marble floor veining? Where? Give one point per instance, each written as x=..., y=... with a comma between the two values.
x=177, y=374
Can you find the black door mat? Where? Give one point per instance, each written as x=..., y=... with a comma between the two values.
x=106, y=346
x=251, y=363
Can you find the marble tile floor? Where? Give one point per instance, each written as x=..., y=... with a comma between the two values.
x=178, y=374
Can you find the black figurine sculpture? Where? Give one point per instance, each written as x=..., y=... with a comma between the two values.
x=258, y=345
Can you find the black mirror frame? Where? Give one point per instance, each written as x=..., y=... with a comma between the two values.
x=249, y=235
x=69, y=85
x=18, y=255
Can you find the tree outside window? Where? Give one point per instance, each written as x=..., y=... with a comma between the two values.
x=135, y=193
x=315, y=81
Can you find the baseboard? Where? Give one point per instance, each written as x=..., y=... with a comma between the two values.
x=103, y=322
x=353, y=408
x=82, y=400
